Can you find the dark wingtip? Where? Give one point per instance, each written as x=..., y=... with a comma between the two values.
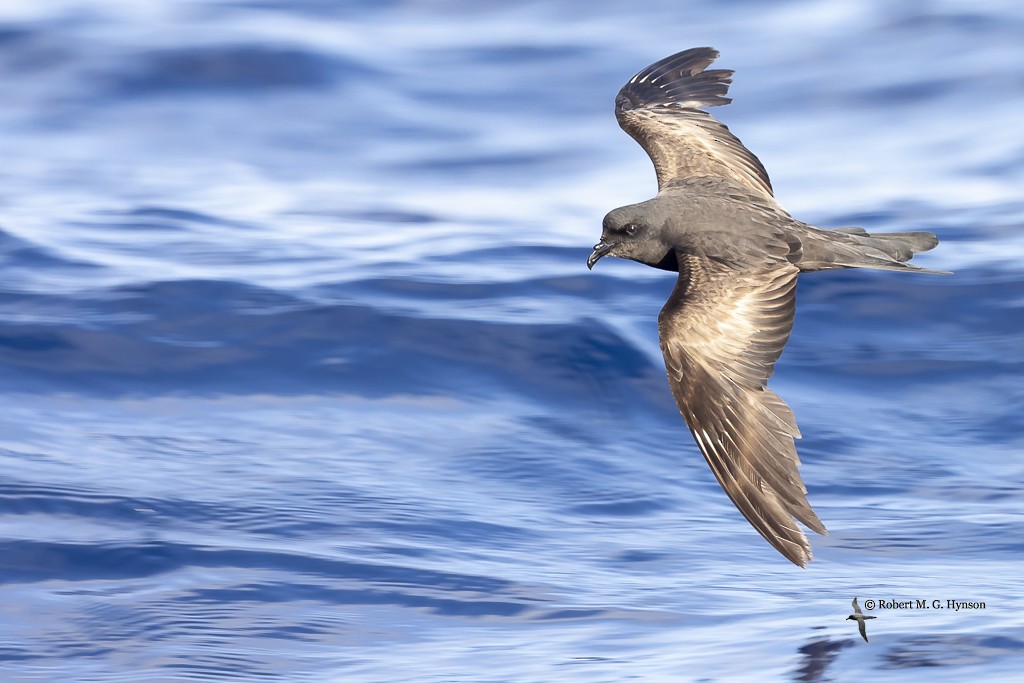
x=678, y=78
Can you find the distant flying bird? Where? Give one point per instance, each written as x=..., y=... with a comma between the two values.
x=738, y=254
x=859, y=617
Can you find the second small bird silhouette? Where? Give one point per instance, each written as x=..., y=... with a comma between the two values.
x=859, y=617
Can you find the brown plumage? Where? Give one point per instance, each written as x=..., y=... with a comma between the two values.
x=738, y=254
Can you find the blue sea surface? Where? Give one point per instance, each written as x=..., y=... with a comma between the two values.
x=304, y=377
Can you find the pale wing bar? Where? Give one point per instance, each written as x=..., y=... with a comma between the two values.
x=660, y=109
x=721, y=332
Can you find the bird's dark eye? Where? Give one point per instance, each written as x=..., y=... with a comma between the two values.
x=631, y=229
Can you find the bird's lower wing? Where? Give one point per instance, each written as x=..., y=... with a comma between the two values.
x=721, y=332
x=863, y=630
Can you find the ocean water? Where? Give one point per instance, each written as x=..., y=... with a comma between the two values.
x=304, y=377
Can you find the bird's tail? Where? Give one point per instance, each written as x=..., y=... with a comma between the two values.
x=857, y=248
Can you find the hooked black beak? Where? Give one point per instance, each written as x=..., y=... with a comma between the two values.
x=600, y=249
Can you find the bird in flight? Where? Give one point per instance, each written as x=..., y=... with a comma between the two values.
x=715, y=222
x=859, y=617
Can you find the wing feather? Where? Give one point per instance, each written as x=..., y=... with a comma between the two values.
x=722, y=331
x=660, y=108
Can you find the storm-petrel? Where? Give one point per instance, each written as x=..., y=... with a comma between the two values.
x=859, y=617
x=716, y=222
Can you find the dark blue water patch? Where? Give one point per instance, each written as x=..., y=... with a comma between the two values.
x=72, y=503
x=13, y=653
x=196, y=300
x=23, y=561
x=231, y=69
x=161, y=217
x=25, y=49
x=553, y=362
x=479, y=166
x=631, y=507
x=37, y=342
x=88, y=651
x=817, y=656
x=12, y=35
x=146, y=345
x=215, y=664
x=231, y=337
x=17, y=252
x=952, y=650
x=824, y=445
x=34, y=561
x=572, y=614
x=391, y=216
x=920, y=91
x=591, y=288
x=887, y=304
x=638, y=557
x=279, y=521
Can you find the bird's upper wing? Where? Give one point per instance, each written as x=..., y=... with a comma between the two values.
x=862, y=625
x=856, y=607
x=721, y=331
x=660, y=108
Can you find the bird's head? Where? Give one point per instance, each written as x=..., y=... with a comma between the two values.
x=628, y=232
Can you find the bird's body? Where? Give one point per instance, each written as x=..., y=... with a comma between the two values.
x=716, y=222
x=713, y=218
x=859, y=617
